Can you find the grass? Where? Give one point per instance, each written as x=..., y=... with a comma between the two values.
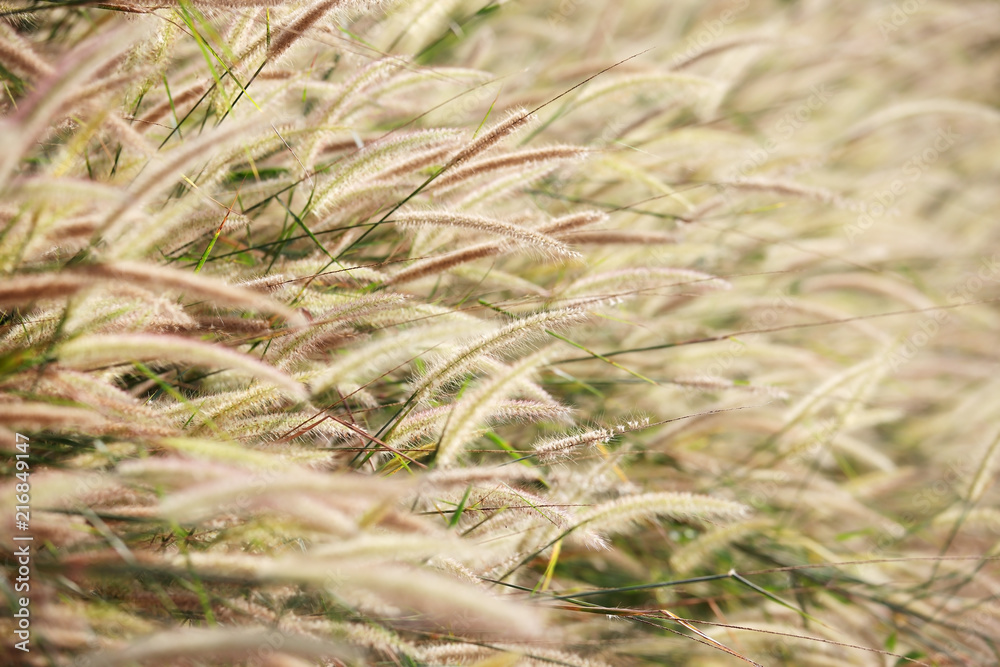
x=481, y=333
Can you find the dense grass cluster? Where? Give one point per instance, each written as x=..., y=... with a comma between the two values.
x=474, y=332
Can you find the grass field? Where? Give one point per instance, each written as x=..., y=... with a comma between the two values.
x=494, y=333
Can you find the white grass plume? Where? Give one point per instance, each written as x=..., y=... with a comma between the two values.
x=449, y=260
x=221, y=644
x=484, y=225
x=515, y=120
x=472, y=409
x=619, y=283
x=43, y=109
x=621, y=514
x=554, y=449
x=110, y=350
x=203, y=286
x=519, y=332
x=522, y=159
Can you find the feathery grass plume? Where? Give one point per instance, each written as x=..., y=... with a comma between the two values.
x=286, y=427
x=495, y=191
x=501, y=655
x=391, y=548
x=410, y=86
x=222, y=407
x=40, y=112
x=297, y=28
x=163, y=173
x=516, y=120
x=416, y=161
x=380, y=355
x=149, y=276
x=339, y=109
x=484, y=225
x=522, y=159
x=377, y=637
x=439, y=597
x=112, y=350
x=439, y=478
x=419, y=425
x=371, y=166
x=532, y=410
x=24, y=289
x=524, y=331
x=235, y=472
x=786, y=188
x=416, y=426
x=38, y=193
x=721, y=45
x=573, y=221
x=697, y=553
x=472, y=410
x=860, y=452
x=866, y=372
x=16, y=55
x=893, y=288
x=714, y=382
x=621, y=514
x=645, y=82
x=499, y=280
x=354, y=202
x=550, y=450
x=982, y=520
x=124, y=309
x=436, y=598
x=526, y=388
x=176, y=230
x=226, y=452
x=616, y=237
x=912, y=108
x=821, y=312
x=497, y=505
x=258, y=141
x=417, y=24
x=175, y=103
x=355, y=311
x=620, y=283
x=433, y=265
x=84, y=389
x=35, y=416
x=221, y=644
